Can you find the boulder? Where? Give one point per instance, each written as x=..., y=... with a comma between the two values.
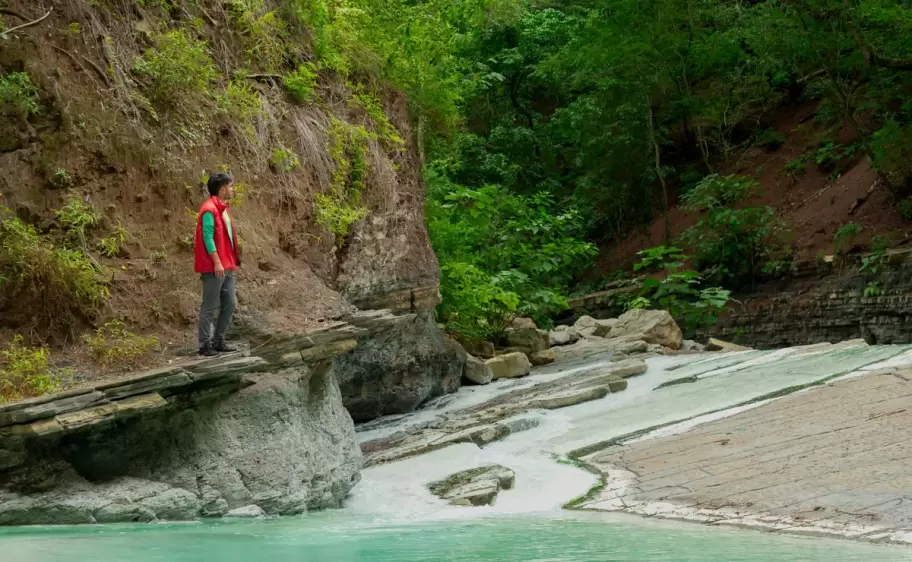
x=543, y=357
x=531, y=338
x=719, y=345
x=475, y=487
x=584, y=322
x=651, y=326
x=398, y=368
x=476, y=347
x=563, y=335
x=477, y=371
x=509, y=366
x=523, y=324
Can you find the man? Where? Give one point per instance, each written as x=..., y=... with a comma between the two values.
x=216, y=259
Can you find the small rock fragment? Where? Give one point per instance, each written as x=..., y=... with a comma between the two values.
x=246, y=512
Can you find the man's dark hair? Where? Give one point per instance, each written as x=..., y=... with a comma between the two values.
x=217, y=182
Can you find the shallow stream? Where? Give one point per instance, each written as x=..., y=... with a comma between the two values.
x=392, y=517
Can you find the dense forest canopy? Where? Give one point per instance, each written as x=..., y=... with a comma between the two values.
x=546, y=129
x=552, y=125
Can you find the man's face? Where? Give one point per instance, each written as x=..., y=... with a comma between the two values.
x=227, y=192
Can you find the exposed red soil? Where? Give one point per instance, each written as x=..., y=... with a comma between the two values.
x=814, y=205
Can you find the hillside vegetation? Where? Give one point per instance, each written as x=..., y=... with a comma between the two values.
x=543, y=130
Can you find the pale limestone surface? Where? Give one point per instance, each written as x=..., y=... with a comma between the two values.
x=834, y=459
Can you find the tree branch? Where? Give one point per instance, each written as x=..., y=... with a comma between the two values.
x=28, y=24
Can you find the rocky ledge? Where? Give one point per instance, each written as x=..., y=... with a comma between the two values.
x=234, y=436
x=497, y=418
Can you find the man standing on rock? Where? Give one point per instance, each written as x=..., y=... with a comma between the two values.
x=216, y=258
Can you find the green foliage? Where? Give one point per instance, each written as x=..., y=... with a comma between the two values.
x=111, y=245
x=24, y=371
x=113, y=345
x=830, y=154
x=732, y=245
x=61, y=179
x=18, y=95
x=501, y=254
x=795, y=167
x=660, y=258
x=55, y=286
x=176, y=66
x=873, y=289
x=263, y=32
x=337, y=210
x=301, y=83
x=77, y=218
x=682, y=293
x=241, y=103
x=283, y=160
x=368, y=102
x=845, y=237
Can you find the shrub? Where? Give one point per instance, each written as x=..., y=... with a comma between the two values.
x=24, y=371
x=112, y=244
x=283, y=160
x=54, y=286
x=501, y=254
x=263, y=32
x=76, y=218
x=873, y=289
x=176, y=65
x=337, y=210
x=61, y=179
x=795, y=167
x=301, y=83
x=337, y=215
x=18, y=96
x=370, y=104
x=660, y=258
x=112, y=344
x=732, y=246
x=681, y=293
x=241, y=103
x=845, y=237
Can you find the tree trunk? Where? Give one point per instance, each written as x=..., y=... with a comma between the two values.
x=658, y=170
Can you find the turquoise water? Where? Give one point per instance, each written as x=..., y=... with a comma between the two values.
x=338, y=537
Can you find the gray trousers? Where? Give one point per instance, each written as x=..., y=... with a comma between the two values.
x=218, y=306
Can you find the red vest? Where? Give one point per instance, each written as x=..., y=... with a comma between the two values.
x=227, y=253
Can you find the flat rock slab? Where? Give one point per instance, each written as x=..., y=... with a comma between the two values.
x=832, y=460
x=565, y=399
x=474, y=487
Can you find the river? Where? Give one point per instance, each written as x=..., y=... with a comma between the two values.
x=391, y=516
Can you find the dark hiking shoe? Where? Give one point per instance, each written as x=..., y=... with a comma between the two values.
x=207, y=351
x=223, y=347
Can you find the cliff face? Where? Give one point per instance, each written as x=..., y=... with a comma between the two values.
x=204, y=439
x=260, y=434
x=827, y=303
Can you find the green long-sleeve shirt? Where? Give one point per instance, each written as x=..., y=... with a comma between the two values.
x=209, y=230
